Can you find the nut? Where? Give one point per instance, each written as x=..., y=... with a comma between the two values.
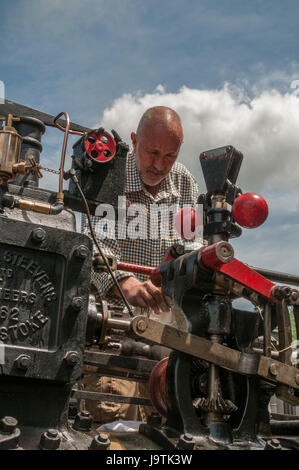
x=72, y=358
x=186, y=442
x=23, y=361
x=83, y=421
x=38, y=235
x=50, y=440
x=273, y=444
x=81, y=252
x=141, y=325
x=8, y=424
x=100, y=442
x=77, y=303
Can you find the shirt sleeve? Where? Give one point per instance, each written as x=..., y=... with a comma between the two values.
x=104, y=281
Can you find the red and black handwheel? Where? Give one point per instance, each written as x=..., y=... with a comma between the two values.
x=100, y=146
x=157, y=383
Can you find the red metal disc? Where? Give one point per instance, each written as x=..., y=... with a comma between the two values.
x=100, y=147
x=157, y=383
x=250, y=210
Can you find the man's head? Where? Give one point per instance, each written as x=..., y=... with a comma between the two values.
x=157, y=143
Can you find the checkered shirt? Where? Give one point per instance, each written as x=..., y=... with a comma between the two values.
x=154, y=236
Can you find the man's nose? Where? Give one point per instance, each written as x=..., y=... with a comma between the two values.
x=159, y=164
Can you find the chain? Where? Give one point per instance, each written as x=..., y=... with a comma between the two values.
x=56, y=172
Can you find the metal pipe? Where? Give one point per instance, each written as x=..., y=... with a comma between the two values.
x=277, y=276
x=135, y=268
x=267, y=330
x=60, y=195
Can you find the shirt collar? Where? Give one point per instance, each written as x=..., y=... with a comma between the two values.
x=134, y=183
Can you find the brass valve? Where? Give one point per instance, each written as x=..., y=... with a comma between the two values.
x=24, y=167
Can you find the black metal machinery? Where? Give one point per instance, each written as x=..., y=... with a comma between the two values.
x=45, y=281
x=219, y=379
x=215, y=389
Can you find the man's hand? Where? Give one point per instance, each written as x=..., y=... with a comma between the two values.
x=144, y=295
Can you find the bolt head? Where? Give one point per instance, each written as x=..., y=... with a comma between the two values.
x=23, y=361
x=8, y=424
x=141, y=325
x=186, y=442
x=81, y=252
x=273, y=369
x=38, y=235
x=50, y=440
x=72, y=358
x=52, y=433
x=273, y=444
x=77, y=303
x=100, y=442
x=103, y=438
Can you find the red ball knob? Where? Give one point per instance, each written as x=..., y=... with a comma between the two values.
x=186, y=221
x=250, y=210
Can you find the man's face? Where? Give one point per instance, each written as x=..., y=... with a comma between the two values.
x=156, y=149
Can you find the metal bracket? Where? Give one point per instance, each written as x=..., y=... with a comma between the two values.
x=222, y=356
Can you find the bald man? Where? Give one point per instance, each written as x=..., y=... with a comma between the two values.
x=153, y=179
x=156, y=145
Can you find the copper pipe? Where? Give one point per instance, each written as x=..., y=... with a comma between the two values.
x=66, y=136
x=63, y=129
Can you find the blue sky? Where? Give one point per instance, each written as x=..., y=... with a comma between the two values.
x=226, y=66
x=80, y=55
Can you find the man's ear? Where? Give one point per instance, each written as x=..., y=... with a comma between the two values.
x=134, y=140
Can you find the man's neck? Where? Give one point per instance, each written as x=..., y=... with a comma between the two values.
x=153, y=190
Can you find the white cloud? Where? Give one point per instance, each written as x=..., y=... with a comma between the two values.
x=265, y=128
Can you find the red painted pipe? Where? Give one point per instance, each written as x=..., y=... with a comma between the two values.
x=135, y=268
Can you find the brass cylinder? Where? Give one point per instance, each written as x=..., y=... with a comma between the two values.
x=10, y=147
x=40, y=207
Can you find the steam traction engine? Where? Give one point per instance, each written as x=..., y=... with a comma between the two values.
x=214, y=389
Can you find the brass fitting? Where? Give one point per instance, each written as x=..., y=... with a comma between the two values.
x=24, y=167
x=60, y=197
x=10, y=147
x=41, y=207
x=219, y=202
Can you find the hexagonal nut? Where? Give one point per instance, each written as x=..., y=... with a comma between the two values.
x=100, y=442
x=38, y=235
x=83, y=421
x=23, y=361
x=50, y=440
x=81, y=252
x=8, y=425
x=273, y=444
x=186, y=442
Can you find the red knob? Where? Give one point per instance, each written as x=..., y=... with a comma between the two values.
x=250, y=210
x=186, y=221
